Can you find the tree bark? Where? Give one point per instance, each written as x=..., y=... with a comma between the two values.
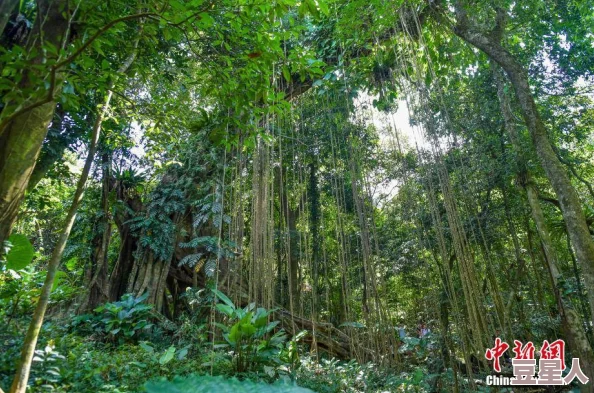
x=120, y=275
x=149, y=274
x=571, y=208
x=118, y=279
x=291, y=216
x=60, y=135
x=21, y=138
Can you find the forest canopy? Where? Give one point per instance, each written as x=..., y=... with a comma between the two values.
x=296, y=196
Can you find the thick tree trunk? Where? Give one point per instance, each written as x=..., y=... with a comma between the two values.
x=120, y=275
x=571, y=208
x=60, y=136
x=118, y=280
x=21, y=137
x=149, y=274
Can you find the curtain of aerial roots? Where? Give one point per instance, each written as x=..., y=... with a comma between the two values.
x=261, y=267
x=381, y=336
x=235, y=284
x=472, y=295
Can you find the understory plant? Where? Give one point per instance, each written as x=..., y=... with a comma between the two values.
x=248, y=334
x=120, y=321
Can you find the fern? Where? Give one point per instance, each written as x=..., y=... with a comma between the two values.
x=210, y=267
x=191, y=260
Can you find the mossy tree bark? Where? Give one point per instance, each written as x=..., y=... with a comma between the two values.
x=578, y=338
x=119, y=277
x=99, y=269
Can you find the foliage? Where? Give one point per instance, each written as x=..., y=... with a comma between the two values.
x=166, y=356
x=198, y=383
x=121, y=321
x=388, y=164
x=50, y=374
x=334, y=376
x=248, y=334
x=20, y=252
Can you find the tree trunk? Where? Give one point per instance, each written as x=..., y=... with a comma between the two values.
x=149, y=274
x=60, y=135
x=571, y=208
x=120, y=275
x=98, y=287
x=578, y=338
x=291, y=216
x=571, y=319
x=21, y=378
x=22, y=136
x=118, y=280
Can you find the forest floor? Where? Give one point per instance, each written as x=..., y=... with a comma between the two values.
x=77, y=357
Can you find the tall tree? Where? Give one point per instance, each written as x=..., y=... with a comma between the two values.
x=573, y=214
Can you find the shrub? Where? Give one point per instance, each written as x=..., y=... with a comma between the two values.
x=120, y=321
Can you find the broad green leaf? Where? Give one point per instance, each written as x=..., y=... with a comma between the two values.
x=21, y=254
x=60, y=275
x=167, y=356
x=224, y=298
x=146, y=347
x=287, y=74
x=225, y=309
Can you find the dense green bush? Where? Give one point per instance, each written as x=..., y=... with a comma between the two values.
x=120, y=321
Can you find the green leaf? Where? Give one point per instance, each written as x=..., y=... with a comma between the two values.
x=287, y=73
x=224, y=298
x=182, y=353
x=21, y=254
x=146, y=347
x=323, y=7
x=225, y=309
x=167, y=356
x=248, y=329
x=60, y=275
x=234, y=334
